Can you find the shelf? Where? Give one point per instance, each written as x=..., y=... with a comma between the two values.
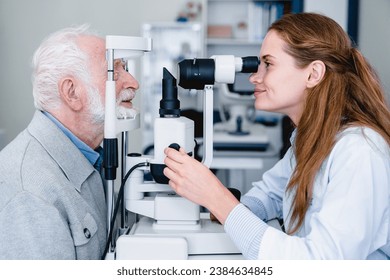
x=238, y=23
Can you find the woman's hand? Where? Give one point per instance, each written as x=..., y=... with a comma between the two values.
x=194, y=181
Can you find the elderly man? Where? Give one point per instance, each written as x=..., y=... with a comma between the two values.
x=52, y=203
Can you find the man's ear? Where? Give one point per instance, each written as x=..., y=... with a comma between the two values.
x=316, y=73
x=69, y=93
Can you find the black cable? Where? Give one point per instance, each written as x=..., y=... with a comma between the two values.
x=117, y=204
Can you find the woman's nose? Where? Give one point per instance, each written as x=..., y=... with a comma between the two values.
x=256, y=78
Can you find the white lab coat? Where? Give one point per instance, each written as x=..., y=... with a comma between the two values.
x=349, y=215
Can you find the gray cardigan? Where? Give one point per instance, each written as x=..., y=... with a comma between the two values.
x=52, y=202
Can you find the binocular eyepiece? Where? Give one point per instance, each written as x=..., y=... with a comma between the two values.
x=198, y=72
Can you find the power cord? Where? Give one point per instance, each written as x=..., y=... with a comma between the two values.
x=117, y=204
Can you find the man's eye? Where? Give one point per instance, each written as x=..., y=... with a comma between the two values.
x=116, y=75
x=123, y=64
x=120, y=63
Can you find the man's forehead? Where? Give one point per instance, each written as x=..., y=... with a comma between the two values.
x=92, y=44
x=95, y=48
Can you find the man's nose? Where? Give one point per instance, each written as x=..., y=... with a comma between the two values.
x=127, y=80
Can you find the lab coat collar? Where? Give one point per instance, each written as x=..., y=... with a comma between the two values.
x=293, y=136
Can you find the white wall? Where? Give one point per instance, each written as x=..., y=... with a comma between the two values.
x=374, y=37
x=339, y=14
x=24, y=23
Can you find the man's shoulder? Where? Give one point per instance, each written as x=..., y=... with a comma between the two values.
x=14, y=152
x=24, y=163
x=11, y=160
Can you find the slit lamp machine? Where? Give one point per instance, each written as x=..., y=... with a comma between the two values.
x=167, y=225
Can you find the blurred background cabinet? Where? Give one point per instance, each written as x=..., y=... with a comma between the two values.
x=172, y=42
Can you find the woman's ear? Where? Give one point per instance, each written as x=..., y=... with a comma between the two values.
x=316, y=73
x=69, y=93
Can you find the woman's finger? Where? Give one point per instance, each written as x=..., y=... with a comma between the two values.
x=169, y=173
x=182, y=151
x=172, y=164
x=172, y=178
x=175, y=155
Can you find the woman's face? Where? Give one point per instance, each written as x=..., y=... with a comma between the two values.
x=279, y=84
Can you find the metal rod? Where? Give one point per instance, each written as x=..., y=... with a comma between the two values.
x=110, y=64
x=123, y=173
x=110, y=202
x=208, y=125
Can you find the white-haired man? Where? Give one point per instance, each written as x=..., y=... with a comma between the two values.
x=52, y=203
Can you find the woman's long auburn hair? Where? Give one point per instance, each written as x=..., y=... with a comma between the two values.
x=349, y=94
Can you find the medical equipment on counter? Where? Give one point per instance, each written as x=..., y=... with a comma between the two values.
x=117, y=47
x=238, y=133
x=172, y=227
x=238, y=130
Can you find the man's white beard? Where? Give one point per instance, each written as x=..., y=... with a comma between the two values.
x=96, y=107
x=123, y=112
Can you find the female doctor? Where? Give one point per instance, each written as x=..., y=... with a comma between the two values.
x=332, y=188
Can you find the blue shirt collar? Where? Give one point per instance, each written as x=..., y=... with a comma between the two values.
x=92, y=156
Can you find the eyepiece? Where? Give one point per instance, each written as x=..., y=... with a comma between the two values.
x=250, y=64
x=196, y=73
x=169, y=104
